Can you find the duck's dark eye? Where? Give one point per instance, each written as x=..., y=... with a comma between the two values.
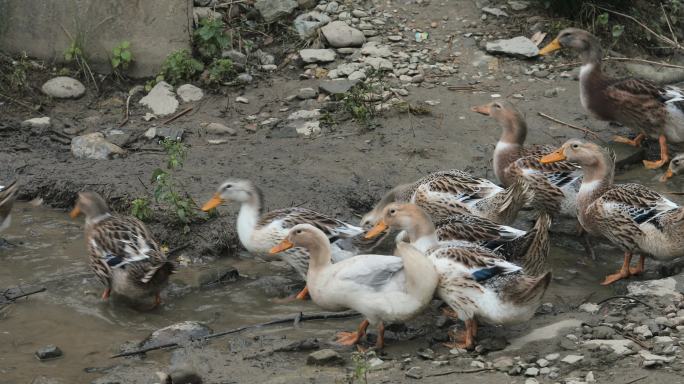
x=228, y=186
x=299, y=232
x=575, y=146
x=497, y=105
x=392, y=211
x=675, y=162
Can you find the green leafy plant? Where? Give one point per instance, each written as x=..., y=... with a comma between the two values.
x=167, y=190
x=361, y=366
x=140, y=208
x=74, y=52
x=14, y=73
x=360, y=101
x=219, y=71
x=121, y=56
x=180, y=66
x=210, y=38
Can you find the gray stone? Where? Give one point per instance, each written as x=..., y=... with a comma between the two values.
x=165, y=133
x=414, y=373
x=325, y=357
x=374, y=49
x=307, y=93
x=306, y=129
x=347, y=69
x=648, y=356
x=543, y=363
x=503, y=363
x=264, y=58
x=518, y=5
x=48, y=352
x=619, y=347
x=662, y=287
x=340, y=35
x=332, y=7
x=161, y=99
x=189, y=92
x=517, y=46
x=357, y=75
x=245, y=78
x=176, y=333
x=603, y=332
x=644, y=331
x=532, y=371
x=572, y=359
x=94, y=146
x=531, y=381
x=494, y=11
x=220, y=129
x=242, y=100
x=305, y=115
x=317, y=55
x=427, y=353
x=37, y=123
x=379, y=63
x=589, y=307
x=201, y=13
x=359, y=13
x=63, y=87
x=238, y=58
x=336, y=87
x=272, y=10
x=552, y=356
x=308, y=23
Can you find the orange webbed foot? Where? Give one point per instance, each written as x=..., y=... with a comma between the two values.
x=348, y=338
x=636, y=142
x=655, y=164
x=610, y=279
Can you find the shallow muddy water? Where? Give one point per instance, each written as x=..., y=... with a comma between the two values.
x=48, y=249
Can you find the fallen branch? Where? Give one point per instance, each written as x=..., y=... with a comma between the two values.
x=10, y=295
x=177, y=115
x=453, y=371
x=585, y=130
x=135, y=90
x=635, y=380
x=295, y=319
x=625, y=297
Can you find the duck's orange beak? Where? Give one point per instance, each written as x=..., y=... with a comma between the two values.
x=554, y=45
x=75, y=212
x=379, y=228
x=283, y=246
x=557, y=155
x=215, y=201
x=668, y=174
x=485, y=109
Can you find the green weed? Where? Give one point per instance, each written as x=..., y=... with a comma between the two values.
x=180, y=66
x=210, y=38
x=140, y=208
x=121, y=56
x=167, y=191
x=219, y=71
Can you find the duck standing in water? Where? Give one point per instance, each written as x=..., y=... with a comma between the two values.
x=123, y=254
x=8, y=195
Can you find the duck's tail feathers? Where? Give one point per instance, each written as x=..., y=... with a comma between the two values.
x=421, y=276
x=516, y=249
x=534, y=263
x=515, y=197
x=159, y=273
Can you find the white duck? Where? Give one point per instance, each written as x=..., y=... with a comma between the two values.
x=382, y=288
x=259, y=231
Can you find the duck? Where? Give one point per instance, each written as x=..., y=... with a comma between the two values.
x=552, y=187
x=8, y=194
x=383, y=288
x=632, y=217
x=445, y=193
x=676, y=167
x=259, y=232
x=476, y=283
x=655, y=111
x=123, y=254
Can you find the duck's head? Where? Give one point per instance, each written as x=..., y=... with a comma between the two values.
x=580, y=40
x=577, y=151
x=238, y=190
x=89, y=204
x=302, y=235
x=504, y=112
x=676, y=167
x=401, y=216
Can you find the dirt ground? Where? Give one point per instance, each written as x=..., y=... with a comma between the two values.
x=342, y=173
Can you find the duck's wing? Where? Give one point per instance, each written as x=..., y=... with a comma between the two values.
x=287, y=218
x=124, y=243
x=474, y=262
x=635, y=202
x=638, y=100
x=371, y=271
x=474, y=228
x=559, y=174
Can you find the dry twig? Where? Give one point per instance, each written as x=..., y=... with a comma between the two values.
x=177, y=115
x=585, y=130
x=453, y=371
x=672, y=43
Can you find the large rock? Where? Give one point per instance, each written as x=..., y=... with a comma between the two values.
x=325, y=357
x=340, y=35
x=379, y=63
x=176, y=333
x=37, y=123
x=336, y=87
x=63, y=87
x=161, y=99
x=272, y=10
x=375, y=49
x=189, y=92
x=308, y=23
x=518, y=46
x=620, y=347
x=94, y=146
x=317, y=55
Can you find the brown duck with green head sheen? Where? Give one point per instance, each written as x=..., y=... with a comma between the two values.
x=652, y=110
x=631, y=216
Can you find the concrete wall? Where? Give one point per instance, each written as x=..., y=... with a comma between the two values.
x=155, y=28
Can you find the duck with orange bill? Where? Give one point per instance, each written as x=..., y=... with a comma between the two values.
x=631, y=216
x=675, y=168
x=123, y=254
x=650, y=109
x=476, y=283
x=382, y=288
x=8, y=194
x=259, y=231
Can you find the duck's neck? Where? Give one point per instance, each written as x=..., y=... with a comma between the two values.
x=591, y=81
x=597, y=178
x=247, y=220
x=422, y=234
x=509, y=146
x=320, y=255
